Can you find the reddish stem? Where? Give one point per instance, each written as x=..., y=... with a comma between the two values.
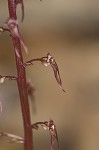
x=21, y=81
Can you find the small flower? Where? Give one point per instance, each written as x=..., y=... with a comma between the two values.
x=49, y=60
x=53, y=132
x=3, y=78
x=13, y=138
x=12, y=25
x=46, y=61
x=48, y=125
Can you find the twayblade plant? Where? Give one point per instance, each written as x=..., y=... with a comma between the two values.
x=25, y=88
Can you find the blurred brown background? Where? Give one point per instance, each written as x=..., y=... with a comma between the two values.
x=69, y=30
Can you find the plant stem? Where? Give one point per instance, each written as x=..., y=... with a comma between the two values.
x=21, y=82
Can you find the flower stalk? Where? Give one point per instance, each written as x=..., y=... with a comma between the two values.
x=25, y=87
x=21, y=79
